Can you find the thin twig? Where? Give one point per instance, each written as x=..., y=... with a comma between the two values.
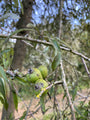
x=27, y=43
x=55, y=90
x=28, y=109
x=86, y=68
x=78, y=93
x=59, y=109
x=45, y=43
x=55, y=83
x=50, y=74
x=83, y=97
x=31, y=114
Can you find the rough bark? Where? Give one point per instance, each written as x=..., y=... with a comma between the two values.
x=20, y=47
x=19, y=54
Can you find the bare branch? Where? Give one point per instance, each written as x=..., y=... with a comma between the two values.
x=67, y=92
x=45, y=43
x=82, y=97
x=55, y=83
x=75, y=52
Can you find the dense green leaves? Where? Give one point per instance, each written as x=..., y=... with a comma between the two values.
x=75, y=37
x=4, y=89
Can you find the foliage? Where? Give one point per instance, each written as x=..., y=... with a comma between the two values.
x=75, y=36
x=82, y=111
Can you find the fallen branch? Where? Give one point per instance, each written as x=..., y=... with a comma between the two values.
x=45, y=43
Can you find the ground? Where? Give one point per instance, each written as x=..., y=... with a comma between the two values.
x=22, y=107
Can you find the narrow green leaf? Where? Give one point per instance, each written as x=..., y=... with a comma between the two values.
x=23, y=80
x=56, y=61
x=15, y=98
x=74, y=93
x=2, y=99
x=3, y=74
x=6, y=104
x=56, y=45
x=51, y=90
x=3, y=90
x=42, y=103
x=2, y=86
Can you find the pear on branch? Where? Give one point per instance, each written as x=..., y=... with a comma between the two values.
x=44, y=71
x=41, y=85
x=33, y=75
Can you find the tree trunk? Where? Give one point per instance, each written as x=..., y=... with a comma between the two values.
x=19, y=55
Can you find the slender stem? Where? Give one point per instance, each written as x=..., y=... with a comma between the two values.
x=28, y=109
x=86, y=68
x=67, y=92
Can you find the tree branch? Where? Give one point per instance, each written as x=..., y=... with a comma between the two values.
x=45, y=43
x=55, y=83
